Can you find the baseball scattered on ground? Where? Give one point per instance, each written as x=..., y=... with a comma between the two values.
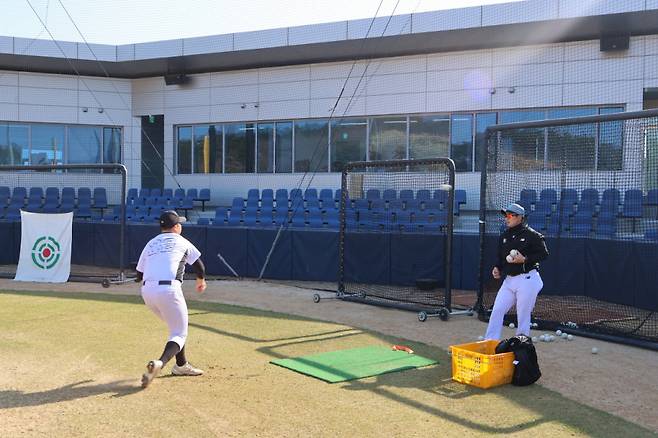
x=511, y=325
x=569, y=337
x=595, y=350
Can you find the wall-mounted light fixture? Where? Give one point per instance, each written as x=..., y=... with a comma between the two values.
x=100, y=110
x=492, y=91
x=511, y=90
x=85, y=109
x=243, y=106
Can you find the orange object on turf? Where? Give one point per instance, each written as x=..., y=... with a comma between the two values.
x=402, y=348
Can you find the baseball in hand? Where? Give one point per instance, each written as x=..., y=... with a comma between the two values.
x=513, y=253
x=509, y=258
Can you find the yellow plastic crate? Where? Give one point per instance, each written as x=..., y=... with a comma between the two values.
x=477, y=364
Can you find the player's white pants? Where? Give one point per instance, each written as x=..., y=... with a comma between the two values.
x=168, y=303
x=521, y=290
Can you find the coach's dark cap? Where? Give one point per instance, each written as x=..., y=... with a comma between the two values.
x=515, y=209
x=170, y=218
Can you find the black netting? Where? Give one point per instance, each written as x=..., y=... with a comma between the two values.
x=590, y=186
x=396, y=232
x=95, y=194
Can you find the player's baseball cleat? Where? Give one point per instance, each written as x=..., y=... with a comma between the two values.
x=186, y=370
x=152, y=370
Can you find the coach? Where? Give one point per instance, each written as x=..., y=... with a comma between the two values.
x=520, y=249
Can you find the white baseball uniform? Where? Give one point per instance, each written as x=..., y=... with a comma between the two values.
x=163, y=261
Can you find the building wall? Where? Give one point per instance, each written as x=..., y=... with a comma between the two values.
x=567, y=74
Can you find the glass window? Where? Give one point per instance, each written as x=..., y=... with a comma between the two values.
x=461, y=142
x=388, y=138
x=240, y=143
x=14, y=147
x=265, y=147
x=429, y=136
x=348, y=142
x=111, y=145
x=283, y=147
x=311, y=144
x=571, y=146
x=202, y=149
x=47, y=144
x=482, y=122
x=185, y=149
x=611, y=142
x=523, y=148
x=84, y=145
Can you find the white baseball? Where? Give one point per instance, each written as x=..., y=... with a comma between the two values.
x=511, y=325
x=534, y=339
x=513, y=253
x=595, y=350
x=558, y=332
x=480, y=338
x=569, y=337
x=509, y=259
x=564, y=336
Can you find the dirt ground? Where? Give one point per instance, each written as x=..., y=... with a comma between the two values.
x=620, y=380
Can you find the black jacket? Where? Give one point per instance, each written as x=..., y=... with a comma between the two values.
x=525, y=240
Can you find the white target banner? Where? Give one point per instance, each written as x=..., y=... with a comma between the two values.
x=45, y=247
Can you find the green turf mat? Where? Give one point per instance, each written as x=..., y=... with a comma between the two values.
x=356, y=363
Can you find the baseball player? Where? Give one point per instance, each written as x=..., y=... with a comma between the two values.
x=520, y=249
x=160, y=270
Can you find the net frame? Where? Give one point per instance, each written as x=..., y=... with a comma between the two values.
x=108, y=168
x=493, y=137
x=441, y=309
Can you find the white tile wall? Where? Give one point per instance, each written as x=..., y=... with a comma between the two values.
x=44, y=113
x=435, y=21
x=8, y=78
x=186, y=97
x=347, y=106
x=459, y=60
x=148, y=84
x=260, y=39
x=38, y=80
x=236, y=94
x=651, y=67
x=6, y=44
x=234, y=78
x=32, y=47
x=159, y=49
x=459, y=79
x=104, y=84
x=528, y=74
x=396, y=84
x=583, y=50
x=338, y=70
x=208, y=44
x=8, y=94
x=191, y=114
x=148, y=103
x=407, y=64
x=105, y=100
x=519, y=12
x=233, y=113
x=285, y=91
x=465, y=100
x=651, y=4
x=528, y=55
x=382, y=26
x=396, y=103
x=284, y=109
x=603, y=92
x=8, y=111
x=284, y=74
x=100, y=52
x=614, y=69
x=579, y=8
x=48, y=96
x=651, y=44
x=526, y=97
x=315, y=33
x=126, y=52
x=325, y=88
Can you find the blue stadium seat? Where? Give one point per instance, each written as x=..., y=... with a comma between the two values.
x=252, y=202
x=337, y=196
x=35, y=191
x=372, y=194
x=250, y=217
x=192, y=193
x=460, y=199
x=52, y=192
x=549, y=195
x=267, y=203
x=389, y=194
x=589, y=196
x=281, y=217
x=633, y=203
x=237, y=205
x=313, y=203
x=13, y=213
x=203, y=221
x=406, y=194
x=82, y=212
x=5, y=195
x=67, y=203
x=131, y=196
x=332, y=218
x=537, y=221
x=234, y=219
x=651, y=234
x=582, y=225
x=432, y=205
x=253, y=196
x=423, y=194
x=168, y=193
x=310, y=194
x=144, y=193
x=361, y=204
x=298, y=220
x=412, y=205
x=315, y=218
x=528, y=197
x=297, y=204
x=100, y=198
x=351, y=219
x=220, y=216
x=396, y=205
x=281, y=198
x=606, y=225
x=267, y=195
x=377, y=204
x=296, y=193
x=652, y=197
x=52, y=199
x=179, y=195
x=155, y=193
x=186, y=204
x=370, y=220
x=569, y=195
x=34, y=202
x=204, y=196
x=327, y=199
x=544, y=207
x=84, y=196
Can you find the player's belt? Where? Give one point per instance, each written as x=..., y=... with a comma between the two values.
x=161, y=282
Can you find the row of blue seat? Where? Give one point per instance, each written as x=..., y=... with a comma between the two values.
x=50, y=201
x=178, y=196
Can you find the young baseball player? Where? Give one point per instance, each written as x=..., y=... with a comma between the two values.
x=520, y=249
x=160, y=270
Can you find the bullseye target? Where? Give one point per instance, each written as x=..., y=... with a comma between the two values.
x=45, y=252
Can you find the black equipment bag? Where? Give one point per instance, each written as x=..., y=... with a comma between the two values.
x=526, y=367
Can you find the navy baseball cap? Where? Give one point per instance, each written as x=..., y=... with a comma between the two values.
x=170, y=218
x=514, y=208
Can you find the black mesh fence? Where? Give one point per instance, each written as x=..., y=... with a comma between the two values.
x=95, y=194
x=396, y=233
x=590, y=185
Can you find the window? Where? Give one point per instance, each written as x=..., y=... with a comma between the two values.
x=283, y=152
x=571, y=146
x=240, y=144
x=482, y=122
x=111, y=145
x=429, y=136
x=265, y=147
x=14, y=145
x=311, y=144
x=348, y=142
x=185, y=149
x=207, y=153
x=47, y=144
x=388, y=138
x=84, y=145
x=461, y=142
x=523, y=148
x=611, y=140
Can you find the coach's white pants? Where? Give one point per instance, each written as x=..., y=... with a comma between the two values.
x=168, y=303
x=521, y=290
